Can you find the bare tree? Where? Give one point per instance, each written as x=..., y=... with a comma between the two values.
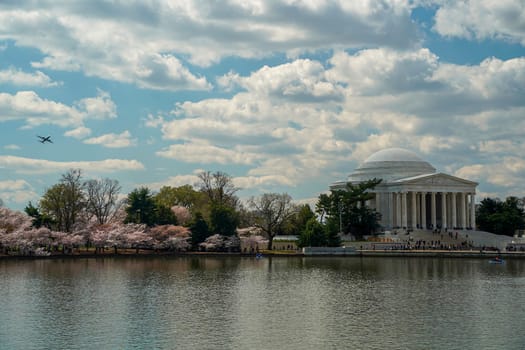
x=219, y=188
x=102, y=199
x=271, y=211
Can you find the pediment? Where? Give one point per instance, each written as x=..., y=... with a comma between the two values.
x=438, y=179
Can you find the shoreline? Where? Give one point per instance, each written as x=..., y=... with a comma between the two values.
x=459, y=254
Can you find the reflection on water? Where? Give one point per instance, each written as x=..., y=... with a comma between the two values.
x=244, y=303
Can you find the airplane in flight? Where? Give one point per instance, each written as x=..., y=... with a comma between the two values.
x=44, y=139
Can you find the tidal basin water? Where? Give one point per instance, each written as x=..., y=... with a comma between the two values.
x=244, y=303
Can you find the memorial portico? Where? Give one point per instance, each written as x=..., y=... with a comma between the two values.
x=412, y=195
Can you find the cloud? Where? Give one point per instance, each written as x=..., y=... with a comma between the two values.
x=23, y=165
x=99, y=107
x=28, y=106
x=121, y=140
x=12, y=147
x=13, y=185
x=35, y=110
x=302, y=80
x=203, y=152
x=508, y=172
x=250, y=182
x=20, y=78
x=175, y=181
x=482, y=19
x=147, y=44
x=78, y=133
x=16, y=191
x=384, y=71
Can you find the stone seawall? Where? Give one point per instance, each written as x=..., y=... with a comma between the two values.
x=442, y=254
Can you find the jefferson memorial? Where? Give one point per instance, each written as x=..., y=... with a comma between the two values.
x=412, y=195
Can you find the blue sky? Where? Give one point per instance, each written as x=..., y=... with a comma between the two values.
x=285, y=96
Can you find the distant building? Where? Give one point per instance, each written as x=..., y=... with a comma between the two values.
x=285, y=242
x=413, y=195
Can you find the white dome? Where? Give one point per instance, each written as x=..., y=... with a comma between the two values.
x=394, y=155
x=391, y=164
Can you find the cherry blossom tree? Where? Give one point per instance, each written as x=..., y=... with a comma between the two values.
x=11, y=220
x=14, y=227
x=182, y=213
x=118, y=235
x=218, y=242
x=213, y=243
x=171, y=237
x=254, y=243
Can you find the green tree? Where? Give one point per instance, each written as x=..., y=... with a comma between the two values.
x=140, y=207
x=313, y=235
x=346, y=208
x=224, y=220
x=323, y=206
x=199, y=230
x=333, y=239
x=297, y=221
x=502, y=218
x=65, y=201
x=164, y=216
x=185, y=196
x=39, y=219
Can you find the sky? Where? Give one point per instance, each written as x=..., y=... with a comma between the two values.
x=284, y=96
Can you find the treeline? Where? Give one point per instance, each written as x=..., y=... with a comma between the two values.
x=94, y=214
x=501, y=217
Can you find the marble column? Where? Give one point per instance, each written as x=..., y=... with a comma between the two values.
x=433, y=209
x=404, y=210
x=454, y=209
x=444, y=210
x=463, y=211
x=414, y=209
x=473, y=211
x=398, y=210
x=390, y=210
x=423, y=210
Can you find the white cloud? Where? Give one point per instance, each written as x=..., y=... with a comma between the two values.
x=13, y=185
x=384, y=71
x=203, y=152
x=121, y=140
x=482, y=19
x=41, y=166
x=507, y=172
x=250, y=182
x=12, y=147
x=143, y=43
x=16, y=191
x=78, y=133
x=20, y=78
x=99, y=107
x=28, y=106
x=35, y=110
x=175, y=181
x=301, y=80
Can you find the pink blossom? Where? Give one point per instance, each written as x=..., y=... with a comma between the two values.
x=182, y=213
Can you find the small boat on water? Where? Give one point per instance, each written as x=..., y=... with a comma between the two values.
x=496, y=260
